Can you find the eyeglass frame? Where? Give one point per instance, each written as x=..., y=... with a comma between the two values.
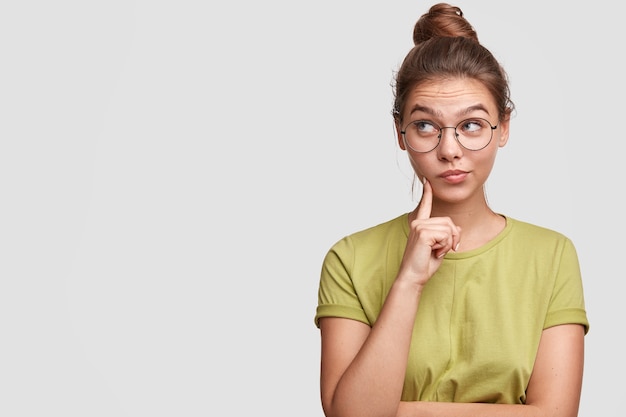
x=440, y=135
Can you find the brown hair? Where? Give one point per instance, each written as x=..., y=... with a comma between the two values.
x=447, y=46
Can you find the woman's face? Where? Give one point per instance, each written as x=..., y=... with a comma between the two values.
x=456, y=174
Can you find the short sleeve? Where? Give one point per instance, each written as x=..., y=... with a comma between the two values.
x=337, y=296
x=567, y=305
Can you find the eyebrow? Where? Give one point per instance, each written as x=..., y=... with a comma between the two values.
x=460, y=113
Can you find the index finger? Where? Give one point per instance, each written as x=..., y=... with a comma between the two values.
x=426, y=203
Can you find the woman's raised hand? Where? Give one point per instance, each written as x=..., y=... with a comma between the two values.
x=430, y=238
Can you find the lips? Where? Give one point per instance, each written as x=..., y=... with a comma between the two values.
x=454, y=176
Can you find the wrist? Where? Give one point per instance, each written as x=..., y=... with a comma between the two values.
x=406, y=285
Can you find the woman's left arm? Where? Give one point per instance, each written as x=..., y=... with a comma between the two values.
x=553, y=390
x=556, y=382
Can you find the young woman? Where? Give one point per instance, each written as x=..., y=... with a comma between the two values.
x=452, y=309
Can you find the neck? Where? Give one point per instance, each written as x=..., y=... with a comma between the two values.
x=468, y=218
x=479, y=223
x=469, y=213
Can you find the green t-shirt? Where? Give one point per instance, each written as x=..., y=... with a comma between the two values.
x=480, y=316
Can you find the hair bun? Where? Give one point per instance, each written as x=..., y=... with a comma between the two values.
x=442, y=20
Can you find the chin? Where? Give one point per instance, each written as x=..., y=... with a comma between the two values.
x=454, y=194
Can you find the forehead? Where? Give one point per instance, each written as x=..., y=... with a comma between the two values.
x=450, y=98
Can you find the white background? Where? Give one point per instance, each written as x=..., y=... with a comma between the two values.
x=172, y=173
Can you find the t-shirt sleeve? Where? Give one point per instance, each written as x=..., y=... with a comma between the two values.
x=567, y=305
x=336, y=295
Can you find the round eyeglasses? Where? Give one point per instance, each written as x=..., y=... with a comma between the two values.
x=424, y=135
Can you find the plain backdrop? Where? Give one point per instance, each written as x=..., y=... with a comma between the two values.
x=173, y=172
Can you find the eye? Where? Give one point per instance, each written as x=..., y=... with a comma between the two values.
x=472, y=126
x=425, y=127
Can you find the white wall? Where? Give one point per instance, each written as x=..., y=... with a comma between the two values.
x=172, y=173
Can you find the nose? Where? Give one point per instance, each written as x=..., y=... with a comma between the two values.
x=449, y=147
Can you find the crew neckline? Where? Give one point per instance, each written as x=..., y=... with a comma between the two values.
x=474, y=252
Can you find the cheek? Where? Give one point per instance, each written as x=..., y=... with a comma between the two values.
x=420, y=164
x=485, y=162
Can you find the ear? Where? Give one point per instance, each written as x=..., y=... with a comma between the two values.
x=399, y=134
x=504, y=132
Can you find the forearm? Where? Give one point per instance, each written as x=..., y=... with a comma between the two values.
x=553, y=390
x=441, y=409
x=372, y=384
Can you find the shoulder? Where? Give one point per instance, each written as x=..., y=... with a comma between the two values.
x=396, y=225
x=531, y=230
x=390, y=229
x=536, y=237
x=370, y=242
